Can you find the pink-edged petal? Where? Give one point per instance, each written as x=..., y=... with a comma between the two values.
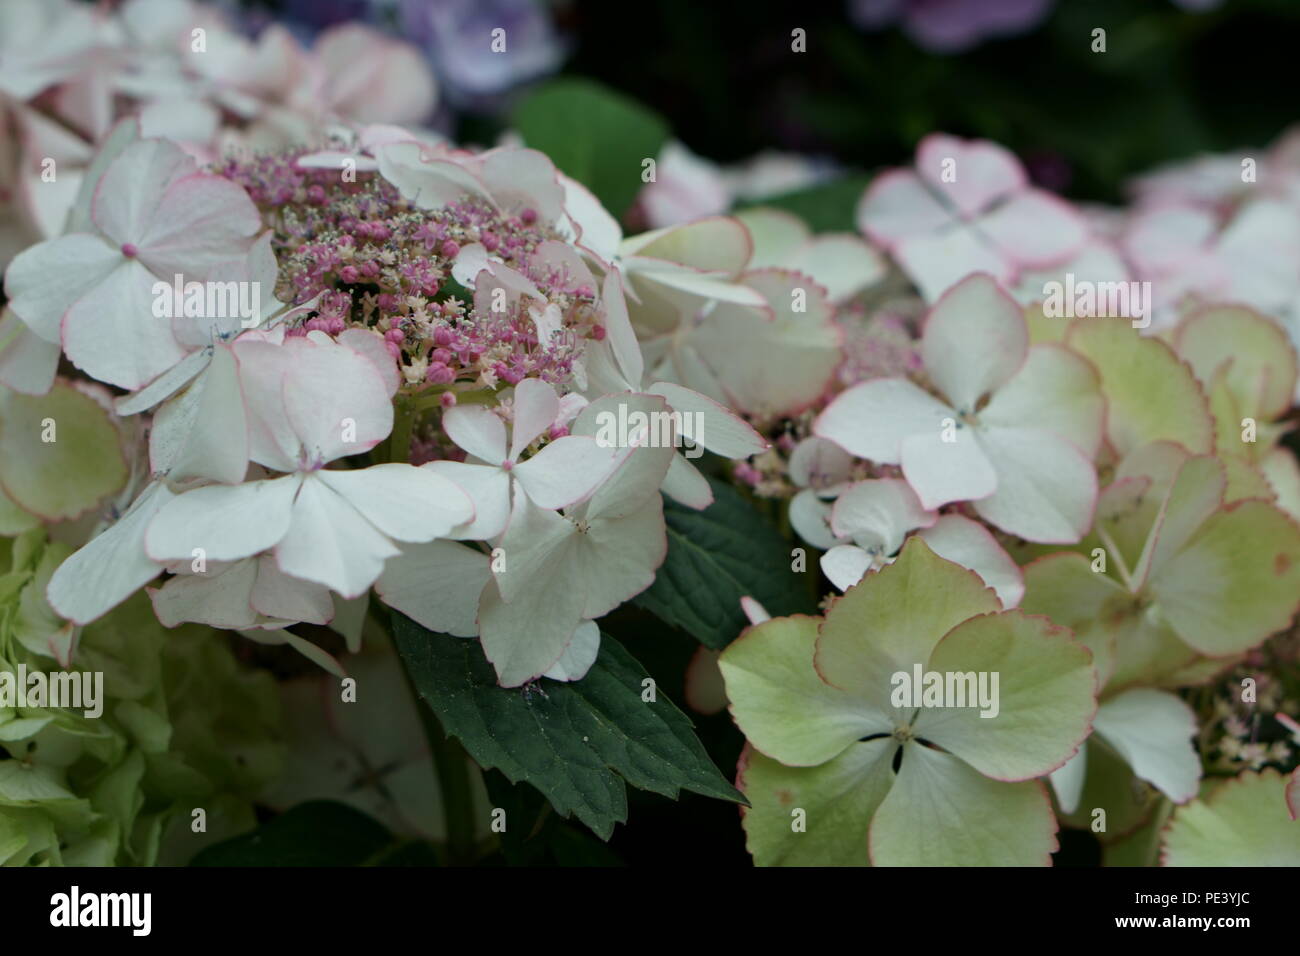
x=476, y=430
x=277, y=595
x=127, y=199
x=811, y=519
x=719, y=429
x=981, y=172
x=579, y=655
x=941, y=471
x=329, y=541
x=113, y=335
x=819, y=463
x=371, y=344
x=203, y=432
x=219, y=597
x=1055, y=390
x=404, y=502
x=437, y=585
x=566, y=471
x=898, y=206
x=336, y=402
x=624, y=347
x=879, y=513
x=488, y=488
x=686, y=486
x=1036, y=229
x=536, y=406
x=598, y=231
x=227, y=522
x=872, y=419
x=526, y=637
x=845, y=565
x=975, y=339
x=1046, y=487
x=45, y=281
x=970, y=544
x=201, y=229
x=271, y=438
x=938, y=262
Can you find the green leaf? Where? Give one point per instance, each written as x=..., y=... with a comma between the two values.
x=578, y=743
x=716, y=557
x=826, y=207
x=593, y=134
x=316, y=833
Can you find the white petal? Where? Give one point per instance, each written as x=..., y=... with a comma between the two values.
x=404, y=502
x=579, y=655
x=536, y=406
x=277, y=595
x=329, y=542
x=227, y=522
x=975, y=339
x=111, y=566
x=685, y=485
x=1153, y=731
x=1046, y=487
x=478, y=431
x=203, y=432
x=437, y=585
x=219, y=597
x=44, y=281
x=968, y=543
x=811, y=519
x=941, y=471
x=879, y=514
x=845, y=565
x=872, y=419
x=488, y=488
x=712, y=424
x=566, y=471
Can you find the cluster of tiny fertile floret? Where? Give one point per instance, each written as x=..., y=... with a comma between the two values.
x=381, y=263
x=1264, y=731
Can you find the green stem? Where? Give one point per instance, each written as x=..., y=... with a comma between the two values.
x=451, y=766
x=399, y=442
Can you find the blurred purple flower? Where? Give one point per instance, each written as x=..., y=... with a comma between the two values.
x=950, y=26
x=457, y=37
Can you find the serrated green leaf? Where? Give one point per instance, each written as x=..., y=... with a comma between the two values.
x=593, y=134
x=716, y=557
x=578, y=743
x=316, y=833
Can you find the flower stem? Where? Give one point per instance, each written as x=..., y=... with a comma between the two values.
x=451, y=766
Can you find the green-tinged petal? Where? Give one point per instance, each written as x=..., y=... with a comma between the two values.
x=1196, y=493
x=1043, y=696
x=1151, y=394
x=1244, y=822
x=1250, y=349
x=838, y=800
x=1235, y=582
x=59, y=453
x=1153, y=730
x=1110, y=787
x=781, y=704
x=14, y=520
x=1064, y=587
x=893, y=619
x=941, y=812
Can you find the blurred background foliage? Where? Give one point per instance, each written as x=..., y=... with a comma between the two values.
x=1177, y=78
